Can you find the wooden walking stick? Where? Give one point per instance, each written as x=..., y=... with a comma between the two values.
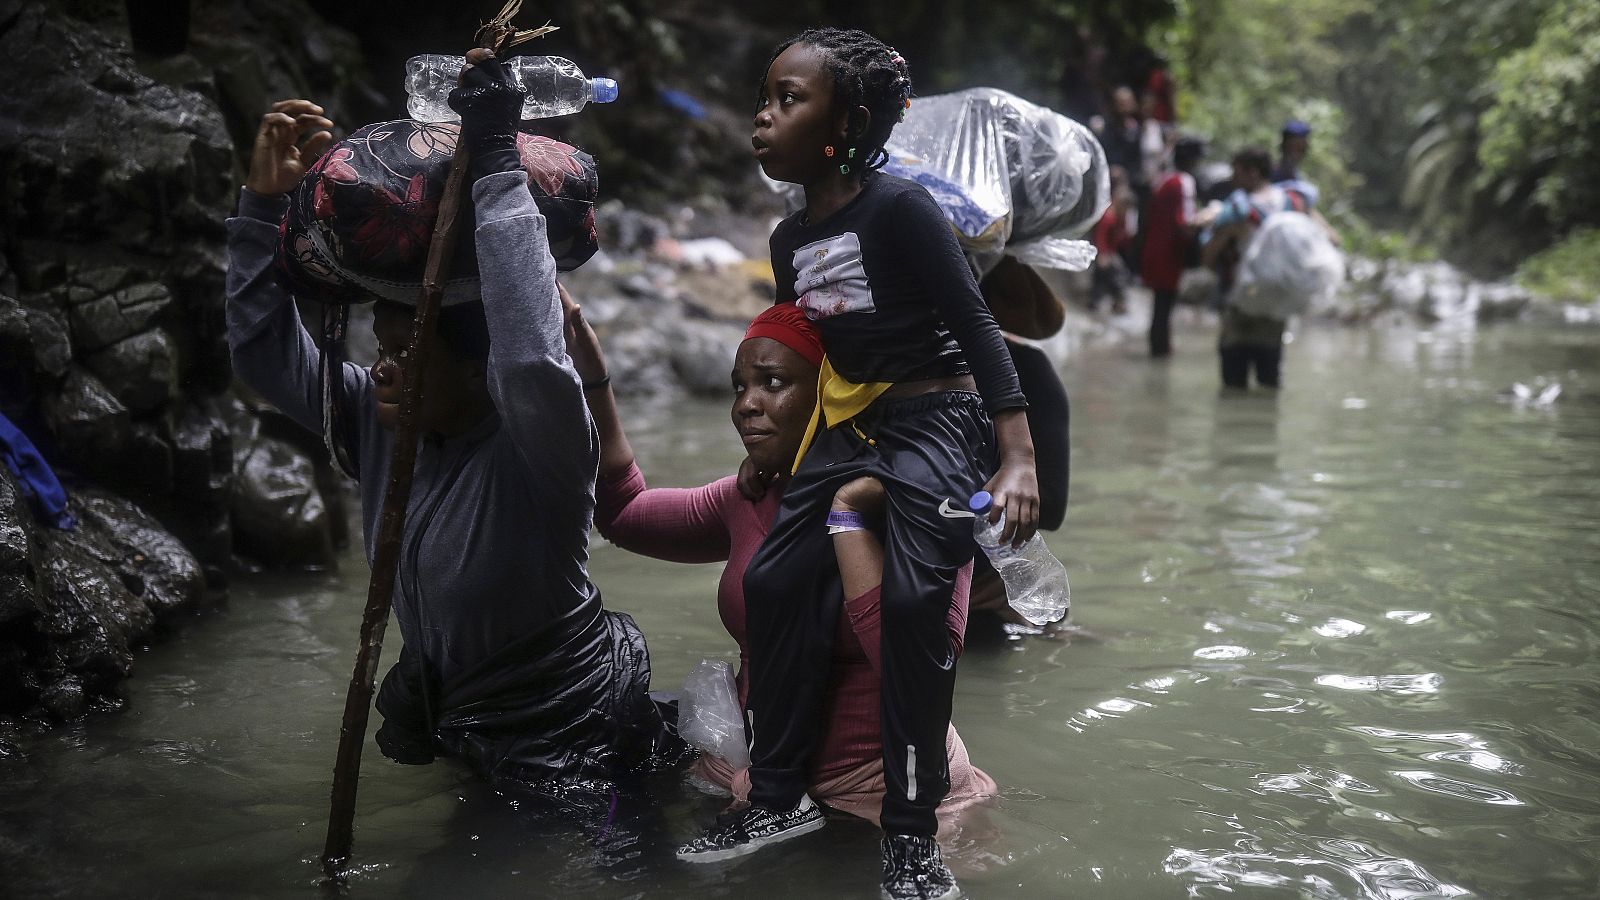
x=497, y=35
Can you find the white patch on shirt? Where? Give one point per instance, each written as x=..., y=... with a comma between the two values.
x=831, y=279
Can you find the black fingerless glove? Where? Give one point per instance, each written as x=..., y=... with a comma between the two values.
x=490, y=104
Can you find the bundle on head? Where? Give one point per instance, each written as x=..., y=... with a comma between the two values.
x=360, y=221
x=866, y=72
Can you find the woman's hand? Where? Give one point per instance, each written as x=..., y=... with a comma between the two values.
x=278, y=159
x=489, y=102
x=582, y=343
x=753, y=482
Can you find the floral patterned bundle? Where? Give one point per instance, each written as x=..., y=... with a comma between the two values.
x=360, y=221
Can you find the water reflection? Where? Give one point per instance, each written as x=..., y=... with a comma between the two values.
x=1428, y=683
x=1325, y=869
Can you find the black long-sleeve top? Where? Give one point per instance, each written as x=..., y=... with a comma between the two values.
x=890, y=292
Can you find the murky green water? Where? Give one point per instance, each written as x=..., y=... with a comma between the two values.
x=1341, y=643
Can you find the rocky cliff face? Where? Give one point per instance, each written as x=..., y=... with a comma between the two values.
x=117, y=169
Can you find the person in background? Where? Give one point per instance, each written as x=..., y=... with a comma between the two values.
x=1159, y=90
x=1155, y=142
x=1247, y=340
x=1169, y=230
x=1112, y=237
x=1293, y=145
x=1120, y=133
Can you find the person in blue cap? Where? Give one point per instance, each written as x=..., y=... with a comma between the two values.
x=1293, y=146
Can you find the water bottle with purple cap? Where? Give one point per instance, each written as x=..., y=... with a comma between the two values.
x=555, y=86
x=1036, y=582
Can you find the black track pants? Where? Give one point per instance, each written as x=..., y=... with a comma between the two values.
x=925, y=450
x=1161, y=303
x=1236, y=363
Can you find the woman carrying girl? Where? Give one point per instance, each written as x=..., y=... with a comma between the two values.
x=774, y=390
x=915, y=369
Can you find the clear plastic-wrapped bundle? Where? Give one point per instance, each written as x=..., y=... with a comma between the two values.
x=709, y=716
x=1012, y=177
x=1288, y=264
x=1039, y=178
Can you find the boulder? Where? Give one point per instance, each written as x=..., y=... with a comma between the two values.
x=74, y=604
x=1503, y=301
x=278, y=514
x=202, y=462
x=86, y=603
x=90, y=424
x=105, y=319
x=17, y=596
x=52, y=350
x=141, y=371
x=702, y=354
x=152, y=564
x=16, y=356
x=33, y=352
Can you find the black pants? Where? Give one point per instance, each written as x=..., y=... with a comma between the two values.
x=925, y=450
x=1245, y=341
x=1161, y=322
x=1236, y=363
x=1107, y=281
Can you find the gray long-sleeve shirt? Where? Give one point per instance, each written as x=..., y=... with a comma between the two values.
x=496, y=535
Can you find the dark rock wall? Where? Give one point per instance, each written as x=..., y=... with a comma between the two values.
x=117, y=169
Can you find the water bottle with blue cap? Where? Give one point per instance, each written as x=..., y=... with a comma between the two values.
x=1036, y=582
x=555, y=86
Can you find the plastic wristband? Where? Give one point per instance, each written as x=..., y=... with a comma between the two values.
x=841, y=521
x=598, y=383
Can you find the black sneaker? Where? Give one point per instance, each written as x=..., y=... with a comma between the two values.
x=914, y=869
x=748, y=830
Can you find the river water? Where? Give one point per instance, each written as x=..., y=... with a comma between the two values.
x=1336, y=643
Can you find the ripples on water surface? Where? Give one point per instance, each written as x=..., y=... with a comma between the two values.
x=1339, y=643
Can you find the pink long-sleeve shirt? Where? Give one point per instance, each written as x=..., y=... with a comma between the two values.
x=714, y=523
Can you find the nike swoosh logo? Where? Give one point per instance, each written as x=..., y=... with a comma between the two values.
x=950, y=512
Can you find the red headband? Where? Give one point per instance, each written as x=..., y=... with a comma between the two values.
x=786, y=324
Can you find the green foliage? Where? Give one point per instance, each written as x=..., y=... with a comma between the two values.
x=1545, y=121
x=1477, y=122
x=1568, y=271
x=1360, y=237
x=1418, y=136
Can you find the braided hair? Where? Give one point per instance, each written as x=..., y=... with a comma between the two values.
x=866, y=72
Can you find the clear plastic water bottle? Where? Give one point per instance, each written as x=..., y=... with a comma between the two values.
x=1036, y=582
x=555, y=86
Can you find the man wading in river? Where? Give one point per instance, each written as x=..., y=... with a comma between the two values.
x=510, y=663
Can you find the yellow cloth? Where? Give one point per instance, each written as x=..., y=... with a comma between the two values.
x=838, y=401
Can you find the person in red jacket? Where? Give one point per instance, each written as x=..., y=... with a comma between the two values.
x=1169, y=230
x=1112, y=237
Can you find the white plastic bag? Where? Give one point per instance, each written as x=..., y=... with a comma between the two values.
x=1011, y=176
x=1288, y=264
x=709, y=715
